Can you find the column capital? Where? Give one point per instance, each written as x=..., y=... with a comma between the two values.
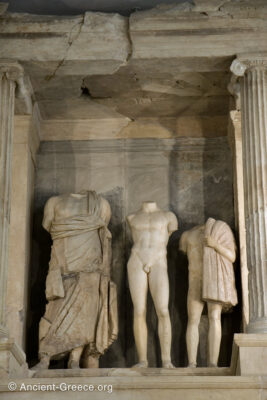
x=11, y=69
x=244, y=62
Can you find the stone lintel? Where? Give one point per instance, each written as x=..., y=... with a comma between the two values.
x=59, y=39
x=160, y=33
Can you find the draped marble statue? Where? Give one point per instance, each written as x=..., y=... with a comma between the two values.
x=147, y=267
x=211, y=252
x=81, y=314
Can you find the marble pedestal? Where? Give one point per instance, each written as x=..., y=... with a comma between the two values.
x=144, y=384
x=252, y=354
x=12, y=360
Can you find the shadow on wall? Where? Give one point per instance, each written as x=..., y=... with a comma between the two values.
x=219, y=204
x=200, y=186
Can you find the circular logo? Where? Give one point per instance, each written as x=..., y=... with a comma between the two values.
x=12, y=386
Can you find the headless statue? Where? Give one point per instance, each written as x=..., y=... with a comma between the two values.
x=211, y=252
x=147, y=267
x=81, y=314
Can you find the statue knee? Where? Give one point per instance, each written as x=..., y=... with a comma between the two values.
x=139, y=312
x=163, y=313
x=194, y=319
x=214, y=317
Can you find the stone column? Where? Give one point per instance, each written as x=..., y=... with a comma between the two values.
x=253, y=85
x=9, y=73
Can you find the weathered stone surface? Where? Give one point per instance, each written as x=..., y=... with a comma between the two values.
x=235, y=140
x=252, y=354
x=25, y=145
x=91, y=37
x=253, y=97
x=10, y=72
x=168, y=33
x=12, y=360
x=140, y=67
x=245, y=9
x=208, y=5
x=144, y=387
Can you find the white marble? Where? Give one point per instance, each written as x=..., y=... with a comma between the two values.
x=252, y=354
x=210, y=249
x=147, y=268
x=81, y=314
x=235, y=138
x=9, y=74
x=251, y=70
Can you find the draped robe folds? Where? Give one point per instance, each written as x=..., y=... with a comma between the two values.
x=82, y=307
x=218, y=271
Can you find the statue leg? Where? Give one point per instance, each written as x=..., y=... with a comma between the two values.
x=215, y=333
x=90, y=357
x=159, y=287
x=74, y=357
x=138, y=287
x=194, y=310
x=92, y=362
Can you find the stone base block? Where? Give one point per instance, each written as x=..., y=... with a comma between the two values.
x=128, y=384
x=12, y=360
x=252, y=354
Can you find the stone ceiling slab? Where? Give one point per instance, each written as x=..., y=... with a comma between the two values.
x=153, y=71
x=79, y=108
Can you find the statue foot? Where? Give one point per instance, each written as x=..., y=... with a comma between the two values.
x=192, y=365
x=167, y=364
x=73, y=364
x=212, y=365
x=42, y=364
x=141, y=364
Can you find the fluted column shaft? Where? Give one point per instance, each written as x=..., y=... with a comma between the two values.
x=9, y=74
x=253, y=85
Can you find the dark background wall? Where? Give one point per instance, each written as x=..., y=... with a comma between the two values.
x=191, y=177
x=70, y=7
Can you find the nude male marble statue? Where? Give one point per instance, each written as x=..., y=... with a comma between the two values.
x=147, y=267
x=81, y=314
x=211, y=252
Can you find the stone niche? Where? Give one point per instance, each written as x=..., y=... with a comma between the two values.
x=190, y=176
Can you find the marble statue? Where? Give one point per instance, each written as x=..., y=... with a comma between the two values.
x=147, y=267
x=81, y=314
x=211, y=252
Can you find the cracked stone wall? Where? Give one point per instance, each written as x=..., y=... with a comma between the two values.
x=191, y=177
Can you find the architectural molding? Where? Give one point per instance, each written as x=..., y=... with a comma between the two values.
x=219, y=144
x=14, y=349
